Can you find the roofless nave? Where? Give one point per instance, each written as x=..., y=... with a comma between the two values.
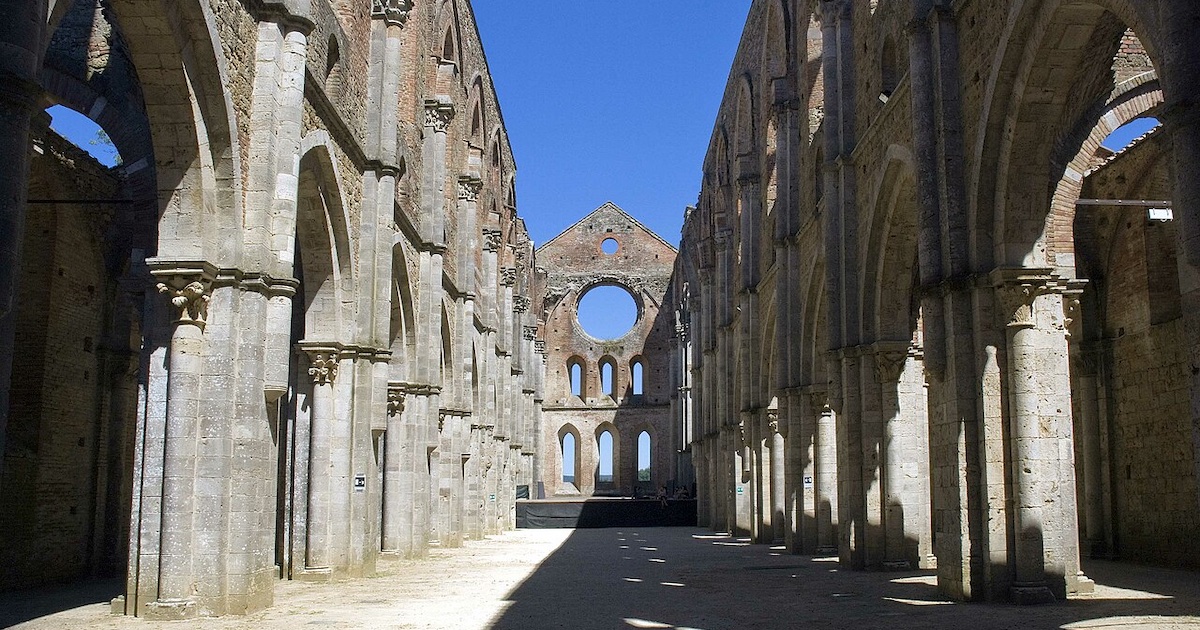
x=918, y=316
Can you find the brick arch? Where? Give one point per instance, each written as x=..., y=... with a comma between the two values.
x=1131, y=99
x=1027, y=114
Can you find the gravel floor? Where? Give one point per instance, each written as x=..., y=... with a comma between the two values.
x=680, y=578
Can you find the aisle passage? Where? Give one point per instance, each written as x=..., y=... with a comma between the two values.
x=681, y=578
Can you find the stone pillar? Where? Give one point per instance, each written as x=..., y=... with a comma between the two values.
x=21, y=34
x=394, y=508
x=1045, y=555
x=778, y=435
x=323, y=469
x=189, y=294
x=825, y=467
x=438, y=115
x=1088, y=392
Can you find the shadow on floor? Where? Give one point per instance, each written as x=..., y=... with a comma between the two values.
x=690, y=579
x=21, y=606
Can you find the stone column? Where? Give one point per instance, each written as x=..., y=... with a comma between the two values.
x=189, y=294
x=1089, y=423
x=903, y=447
x=825, y=467
x=394, y=508
x=21, y=34
x=1045, y=555
x=778, y=435
x=322, y=476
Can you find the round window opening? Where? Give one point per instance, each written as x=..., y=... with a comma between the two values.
x=607, y=312
x=609, y=246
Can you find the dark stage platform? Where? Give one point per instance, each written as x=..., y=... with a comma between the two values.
x=573, y=513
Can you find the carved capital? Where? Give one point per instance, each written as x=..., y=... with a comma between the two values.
x=529, y=333
x=889, y=361
x=492, y=240
x=469, y=187
x=188, y=285
x=189, y=298
x=773, y=424
x=323, y=365
x=395, y=12
x=539, y=346
x=1016, y=290
x=508, y=276
x=395, y=400
x=438, y=115
x=521, y=304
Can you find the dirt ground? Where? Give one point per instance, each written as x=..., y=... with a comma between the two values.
x=680, y=578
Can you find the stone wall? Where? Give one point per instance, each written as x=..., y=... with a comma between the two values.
x=573, y=263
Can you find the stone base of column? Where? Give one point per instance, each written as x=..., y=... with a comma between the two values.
x=1032, y=594
x=896, y=565
x=929, y=562
x=315, y=574
x=1083, y=584
x=171, y=610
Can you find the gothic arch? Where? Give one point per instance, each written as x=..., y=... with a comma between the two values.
x=198, y=158
x=893, y=239
x=322, y=256
x=1026, y=115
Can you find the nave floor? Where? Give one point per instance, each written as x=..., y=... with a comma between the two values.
x=673, y=578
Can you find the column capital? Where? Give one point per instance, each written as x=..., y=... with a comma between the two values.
x=188, y=284
x=323, y=359
x=395, y=399
x=890, y=358
x=394, y=12
x=492, y=239
x=521, y=304
x=438, y=113
x=529, y=333
x=1016, y=289
x=508, y=276
x=469, y=187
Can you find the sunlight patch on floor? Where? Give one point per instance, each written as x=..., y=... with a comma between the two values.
x=918, y=602
x=1142, y=621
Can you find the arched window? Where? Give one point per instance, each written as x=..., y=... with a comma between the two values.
x=568, y=457
x=608, y=377
x=604, y=472
x=643, y=458
x=575, y=374
x=636, y=371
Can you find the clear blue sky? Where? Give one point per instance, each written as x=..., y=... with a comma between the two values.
x=609, y=101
